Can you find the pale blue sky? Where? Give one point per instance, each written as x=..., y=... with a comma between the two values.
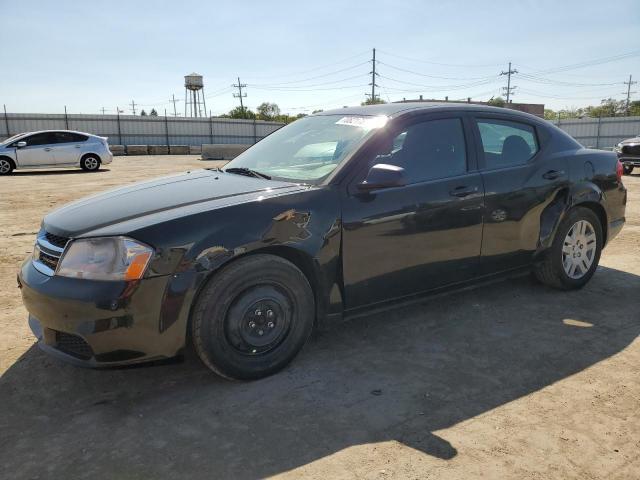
x=307, y=55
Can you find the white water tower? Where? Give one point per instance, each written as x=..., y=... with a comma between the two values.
x=194, y=102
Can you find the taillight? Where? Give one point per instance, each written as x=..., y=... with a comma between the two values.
x=619, y=170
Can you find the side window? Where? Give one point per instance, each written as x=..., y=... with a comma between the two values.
x=77, y=138
x=506, y=143
x=429, y=150
x=44, y=138
x=66, y=137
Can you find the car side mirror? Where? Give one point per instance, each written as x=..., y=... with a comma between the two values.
x=383, y=175
x=21, y=144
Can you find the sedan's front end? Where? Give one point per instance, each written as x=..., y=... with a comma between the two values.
x=628, y=152
x=90, y=303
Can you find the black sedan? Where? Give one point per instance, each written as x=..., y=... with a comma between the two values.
x=331, y=216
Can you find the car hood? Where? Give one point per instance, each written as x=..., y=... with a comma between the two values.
x=161, y=199
x=631, y=141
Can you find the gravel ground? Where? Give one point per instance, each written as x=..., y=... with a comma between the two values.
x=509, y=380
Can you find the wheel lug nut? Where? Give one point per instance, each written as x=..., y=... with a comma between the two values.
x=258, y=313
x=270, y=325
x=252, y=324
x=270, y=313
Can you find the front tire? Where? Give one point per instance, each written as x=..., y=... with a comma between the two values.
x=90, y=163
x=627, y=169
x=574, y=255
x=253, y=317
x=6, y=166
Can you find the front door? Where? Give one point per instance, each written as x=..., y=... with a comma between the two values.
x=38, y=151
x=404, y=240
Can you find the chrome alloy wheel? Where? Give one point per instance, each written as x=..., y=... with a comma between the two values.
x=579, y=249
x=91, y=163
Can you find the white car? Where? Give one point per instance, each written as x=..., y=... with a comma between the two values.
x=54, y=148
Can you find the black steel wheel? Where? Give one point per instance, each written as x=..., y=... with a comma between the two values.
x=253, y=317
x=627, y=169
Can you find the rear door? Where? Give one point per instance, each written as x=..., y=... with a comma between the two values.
x=404, y=240
x=39, y=150
x=520, y=179
x=68, y=148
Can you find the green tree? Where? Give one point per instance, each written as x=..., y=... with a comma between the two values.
x=318, y=111
x=609, y=107
x=153, y=113
x=497, y=102
x=634, y=108
x=373, y=101
x=268, y=111
x=240, y=113
x=143, y=113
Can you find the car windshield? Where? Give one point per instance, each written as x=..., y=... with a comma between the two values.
x=308, y=149
x=11, y=139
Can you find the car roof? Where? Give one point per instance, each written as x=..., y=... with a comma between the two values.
x=59, y=130
x=397, y=109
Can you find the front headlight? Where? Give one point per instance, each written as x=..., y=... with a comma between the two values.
x=107, y=258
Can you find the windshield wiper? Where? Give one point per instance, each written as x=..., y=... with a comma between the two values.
x=248, y=172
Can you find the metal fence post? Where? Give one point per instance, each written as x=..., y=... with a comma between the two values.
x=6, y=121
x=598, y=133
x=255, y=131
x=66, y=118
x=119, y=131
x=211, y=128
x=166, y=129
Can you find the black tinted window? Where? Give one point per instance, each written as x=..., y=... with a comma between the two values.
x=507, y=143
x=39, y=139
x=69, y=137
x=429, y=150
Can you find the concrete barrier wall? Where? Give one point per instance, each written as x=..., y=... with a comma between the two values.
x=137, y=149
x=179, y=149
x=221, y=151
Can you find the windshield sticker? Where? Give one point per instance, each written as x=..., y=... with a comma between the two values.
x=367, y=123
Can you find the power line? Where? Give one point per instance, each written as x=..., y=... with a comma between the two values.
x=438, y=63
x=509, y=89
x=310, y=78
x=433, y=76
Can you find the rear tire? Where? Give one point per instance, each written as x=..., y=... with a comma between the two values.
x=573, y=257
x=253, y=317
x=6, y=166
x=627, y=169
x=90, y=163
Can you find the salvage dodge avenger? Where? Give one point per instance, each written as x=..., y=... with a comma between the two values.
x=330, y=216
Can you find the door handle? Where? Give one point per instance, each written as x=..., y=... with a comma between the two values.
x=78, y=146
x=553, y=174
x=47, y=149
x=463, y=191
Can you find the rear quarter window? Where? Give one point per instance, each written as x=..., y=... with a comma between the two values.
x=506, y=143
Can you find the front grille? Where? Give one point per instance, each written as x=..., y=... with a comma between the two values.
x=56, y=240
x=631, y=149
x=49, y=260
x=73, y=345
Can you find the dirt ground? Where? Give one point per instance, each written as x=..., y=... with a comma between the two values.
x=510, y=380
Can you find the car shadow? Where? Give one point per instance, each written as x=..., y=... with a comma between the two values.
x=399, y=375
x=38, y=172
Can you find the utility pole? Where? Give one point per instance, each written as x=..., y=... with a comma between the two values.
x=509, y=89
x=239, y=95
x=373, y=79
x=103, y=110
x=173, y=100
x=629, y=92
x=133, y=107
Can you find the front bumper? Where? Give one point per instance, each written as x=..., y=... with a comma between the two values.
x=99, y=323
x=629, y=160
